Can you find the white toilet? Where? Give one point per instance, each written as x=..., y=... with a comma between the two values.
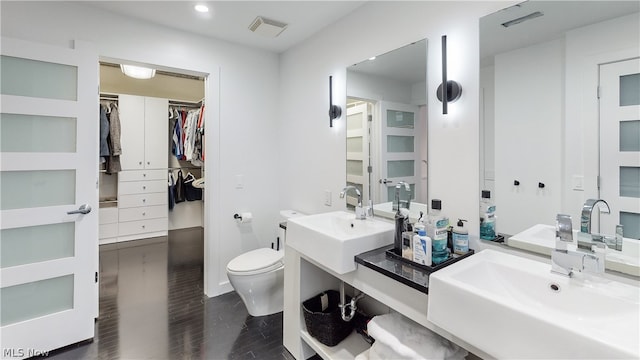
x=258, y=276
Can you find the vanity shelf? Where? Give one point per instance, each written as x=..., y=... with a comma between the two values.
x=348, y=348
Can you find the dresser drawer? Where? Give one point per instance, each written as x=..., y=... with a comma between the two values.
x=107, y=231
x=127, y=201
x=142, y=226
x=142, y=187
x=139, y=175
x=108, y=215
x=145, y=212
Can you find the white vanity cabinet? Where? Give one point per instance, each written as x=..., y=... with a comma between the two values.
x=142, y=204
x=305, y=278
x=144, y=140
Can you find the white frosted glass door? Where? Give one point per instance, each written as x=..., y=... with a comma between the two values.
x=620, y=146
x=48, y=168
x=399, y=157
x=358, y=152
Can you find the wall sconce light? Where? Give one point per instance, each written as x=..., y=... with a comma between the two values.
x=335, y=111
x=453, y=88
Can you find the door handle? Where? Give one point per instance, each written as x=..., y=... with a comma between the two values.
x=83, y=209
x=385, y=181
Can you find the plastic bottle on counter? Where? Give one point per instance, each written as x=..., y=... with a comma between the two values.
x=422, y=248
x=487, y=217
x=437, y=225
x=460, y=238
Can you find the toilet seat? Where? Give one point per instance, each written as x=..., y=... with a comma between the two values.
x=256, y=262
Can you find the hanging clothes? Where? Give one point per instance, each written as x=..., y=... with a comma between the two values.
x=104, y=132
x=172, y=191
x=113, y=141
x=187, y=132
x=178, y=143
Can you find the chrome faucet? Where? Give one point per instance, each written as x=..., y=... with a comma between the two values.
x=407, y=187
x=361, y=213
x=565, y=261
x=587, y=212
x=587, y=239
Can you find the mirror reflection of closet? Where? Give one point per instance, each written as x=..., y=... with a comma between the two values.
x=162, y=97
x=387, y=128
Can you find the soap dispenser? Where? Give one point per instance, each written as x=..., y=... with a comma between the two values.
x=460, y=238
x=399, y=229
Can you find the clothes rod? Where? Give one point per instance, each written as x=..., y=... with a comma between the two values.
x=186, y=167
x=184, y=103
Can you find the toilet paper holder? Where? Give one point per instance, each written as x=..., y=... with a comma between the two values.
x=243, y=217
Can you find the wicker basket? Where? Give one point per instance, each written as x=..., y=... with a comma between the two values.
x=326, y=326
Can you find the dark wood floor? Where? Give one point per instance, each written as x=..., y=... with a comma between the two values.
x=152, y=306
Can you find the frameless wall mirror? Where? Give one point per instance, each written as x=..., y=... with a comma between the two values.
x=556, y=128
x=387, y=129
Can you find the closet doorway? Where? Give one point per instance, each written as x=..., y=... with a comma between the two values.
x=151, y=181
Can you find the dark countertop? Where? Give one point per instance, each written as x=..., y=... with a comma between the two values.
x=402, y=270
x=405, y=273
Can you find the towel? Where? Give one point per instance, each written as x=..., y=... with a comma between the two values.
x=409, y=340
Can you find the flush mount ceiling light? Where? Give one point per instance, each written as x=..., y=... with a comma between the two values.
x=201, y=8
x=267, y=27
x=137, y=72
x=522, y=19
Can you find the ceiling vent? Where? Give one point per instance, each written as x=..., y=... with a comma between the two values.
x=267, y=27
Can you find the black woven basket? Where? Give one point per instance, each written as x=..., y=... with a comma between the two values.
x=326, y=326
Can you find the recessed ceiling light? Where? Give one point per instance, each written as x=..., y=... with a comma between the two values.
x=201, y=8
x=372, y=58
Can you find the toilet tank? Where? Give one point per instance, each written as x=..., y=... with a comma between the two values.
x=282, y=226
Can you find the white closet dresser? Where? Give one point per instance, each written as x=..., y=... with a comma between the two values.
x=142, y=209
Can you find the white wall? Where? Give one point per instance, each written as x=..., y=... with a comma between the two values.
x=242, y=99
x=529, y=99
x=313, y=155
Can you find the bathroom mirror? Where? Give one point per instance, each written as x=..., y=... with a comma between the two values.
x=541, y=144
x=387, y=129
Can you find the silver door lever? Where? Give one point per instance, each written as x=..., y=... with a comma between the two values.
x=83, y=209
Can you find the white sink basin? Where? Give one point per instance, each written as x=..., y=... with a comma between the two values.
x=333, y=239
x=540, y=238
x=512, y=307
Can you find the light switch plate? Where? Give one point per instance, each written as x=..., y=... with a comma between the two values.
x=239, y=181
x=327, y=197
x=577, y=182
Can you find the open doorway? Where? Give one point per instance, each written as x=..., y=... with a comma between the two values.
x=151, y=181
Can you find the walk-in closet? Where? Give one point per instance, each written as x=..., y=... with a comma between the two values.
x=152, y=155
